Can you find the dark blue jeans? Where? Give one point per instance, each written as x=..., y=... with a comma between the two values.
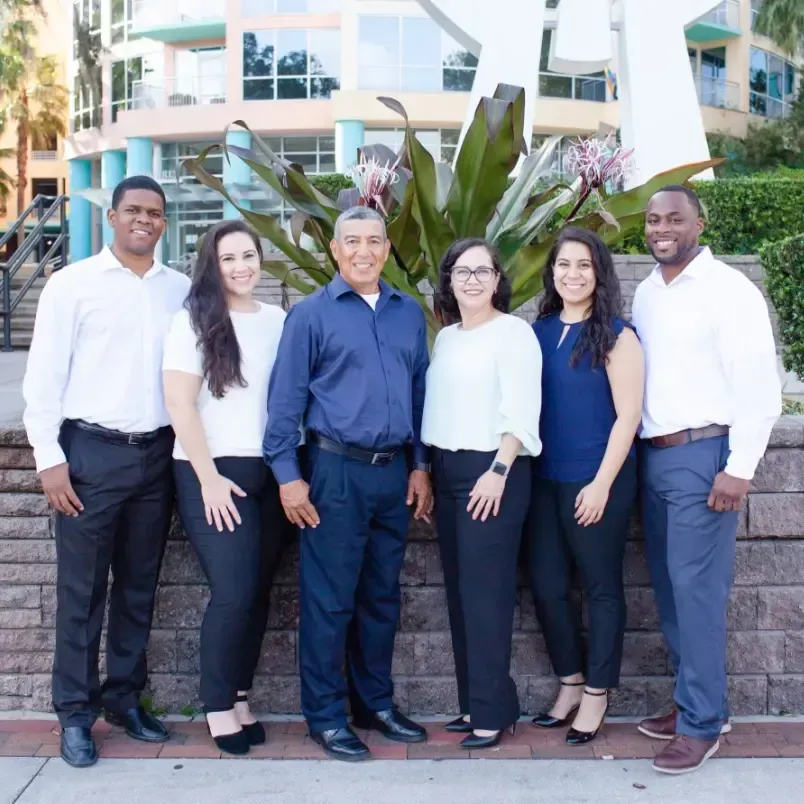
x=690, y=551
x=349, y=584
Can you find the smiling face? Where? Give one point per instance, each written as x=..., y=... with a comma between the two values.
x=361, y=252
x=672, y=228
x=474, y=279
x=574, y=274
x=239, y=264
x=138, y=222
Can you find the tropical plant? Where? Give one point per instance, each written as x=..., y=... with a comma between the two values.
x=428, y=205
x=783, y=22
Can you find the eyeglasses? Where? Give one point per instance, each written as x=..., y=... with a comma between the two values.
x=483, y=274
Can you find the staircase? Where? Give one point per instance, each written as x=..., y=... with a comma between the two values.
x=24, y=271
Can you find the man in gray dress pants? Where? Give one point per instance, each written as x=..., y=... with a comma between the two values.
x=712, y=396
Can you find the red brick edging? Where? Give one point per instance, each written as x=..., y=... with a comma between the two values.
x=288, y=740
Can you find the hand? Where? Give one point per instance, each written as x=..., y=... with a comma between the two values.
x=591, y=503
x=727, y=493
x=295, y=499
x=420, y=491
x=59, y=491
x=218, y=504
x=486, y=495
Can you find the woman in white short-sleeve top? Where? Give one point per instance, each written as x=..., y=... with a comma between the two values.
x=217, y=365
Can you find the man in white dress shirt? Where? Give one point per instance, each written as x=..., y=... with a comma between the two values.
x=96, y=419
x=712, y=396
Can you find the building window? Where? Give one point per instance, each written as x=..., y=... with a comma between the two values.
x=257, y=8
x=441, y=143
x=288, y=64
x=87, y=90
x=174, y=154
x=48, y=187
x=121, y=16
x=411, y=54
x=756, y=7
x=578, y=87
x=773, y=84
x=130, y=77
x=316, y=154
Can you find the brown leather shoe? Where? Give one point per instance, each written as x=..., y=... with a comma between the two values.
x=684, y=754
x=664, y=726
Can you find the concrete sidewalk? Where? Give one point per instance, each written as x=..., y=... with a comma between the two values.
x=731, y=781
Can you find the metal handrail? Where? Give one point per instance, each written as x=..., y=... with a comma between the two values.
x=15, y=227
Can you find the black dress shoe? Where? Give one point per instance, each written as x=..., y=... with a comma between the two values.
x=459, y=726
x=341, y=744
x=476, y=741
x=77, y=747
x=575, y=737
x=255, y=732
x=391, y=723
x=544, y=720
x=140, y=725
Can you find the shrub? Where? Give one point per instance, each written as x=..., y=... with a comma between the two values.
x=784, y=278
x=331, y=184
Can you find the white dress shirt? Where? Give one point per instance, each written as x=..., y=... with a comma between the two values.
x=235, y=424
x=710, y=358
x=483, y=383
x=96, y=352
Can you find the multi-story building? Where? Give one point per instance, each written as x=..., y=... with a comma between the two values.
x=47, y=171
x=305, y=75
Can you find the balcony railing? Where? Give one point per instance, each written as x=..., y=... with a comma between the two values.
x=726, y=14
x=718, y=93
x=152, y=13
x=45, y=156
x=577, y=87
x=179, y=91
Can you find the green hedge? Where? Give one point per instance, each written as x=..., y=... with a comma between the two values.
x=784, y=278
x=331, y=183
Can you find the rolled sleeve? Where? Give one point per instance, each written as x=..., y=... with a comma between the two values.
x=520, y=375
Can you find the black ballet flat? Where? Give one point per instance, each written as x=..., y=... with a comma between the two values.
x=476, y=741
x=236, y=743
x=459, y=726
x=544, y=720
x=575, y=737
x=255, y=732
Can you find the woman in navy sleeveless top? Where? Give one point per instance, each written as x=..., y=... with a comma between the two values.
x=585, y=480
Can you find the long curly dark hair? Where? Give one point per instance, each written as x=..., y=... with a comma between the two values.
x=445, y=299
x=597, y=337
x=209, y=312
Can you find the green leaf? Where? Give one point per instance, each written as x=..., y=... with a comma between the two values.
x=284, y=272
x=516, y=96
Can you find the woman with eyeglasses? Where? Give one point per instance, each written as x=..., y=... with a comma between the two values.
x=481, y=416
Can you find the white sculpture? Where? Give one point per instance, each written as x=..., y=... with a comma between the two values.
x=659, y=118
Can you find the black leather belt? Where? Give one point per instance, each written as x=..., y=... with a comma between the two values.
x=118, y=436
x=365, y=455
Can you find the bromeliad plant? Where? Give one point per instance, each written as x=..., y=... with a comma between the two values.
x=428, y=205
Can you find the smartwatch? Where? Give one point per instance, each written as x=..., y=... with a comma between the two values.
x=500, y=468
x=421, y=467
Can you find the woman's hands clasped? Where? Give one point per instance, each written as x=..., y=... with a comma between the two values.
x=486, y=496
x=219, y=506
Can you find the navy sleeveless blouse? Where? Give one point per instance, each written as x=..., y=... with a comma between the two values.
x=577, y=407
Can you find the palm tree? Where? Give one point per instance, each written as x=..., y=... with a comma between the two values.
x=6, y=179
x=782, y=21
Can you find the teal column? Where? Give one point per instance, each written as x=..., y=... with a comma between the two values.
x=113, y=171
x=349, y=136
x=80, y=210
x=139, y=156
x=236, y=171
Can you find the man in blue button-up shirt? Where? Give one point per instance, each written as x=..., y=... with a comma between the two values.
x=350, y=370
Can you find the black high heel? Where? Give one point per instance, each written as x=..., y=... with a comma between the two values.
x=255, y=732
x=575, y=737
x=476, y=741
x=459, y=726
x=236, y=743
x=544, y=720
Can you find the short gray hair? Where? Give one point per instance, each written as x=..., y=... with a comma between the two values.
x=359, y=214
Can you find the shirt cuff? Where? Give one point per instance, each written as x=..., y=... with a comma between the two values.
x=741, y=466
x=421, y=453
x=286, y=470
x=48, y=457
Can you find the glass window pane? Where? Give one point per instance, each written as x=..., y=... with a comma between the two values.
x=256, y=8
x=757, y=104
x=775, y=77
x=458, y=80
x=421, y=42
x=383, y=136
x=118, y=34
x=378, y=41
x=118, y=11
x=421, y=79
x=323, y=87
x=326, y=143
x=545, y=54
x=303, y=145
x=326, y=163
x=759, y=70
x=325, y=53
x=258, y=53
x=308, y=161
x=384, y=78
x=790, y=79
x=555, y=86
x=290, y=88
x=453, y=55
x=258, y=89
x=775, y=108
x=118, y=81
x=590, y=89
x=291, y=52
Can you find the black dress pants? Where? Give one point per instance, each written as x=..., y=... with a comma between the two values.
x=556, y=541
x=239, y=567
x=127, y=493
x=480, y=575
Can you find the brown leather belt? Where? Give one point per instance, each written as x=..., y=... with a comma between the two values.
x=687, y=436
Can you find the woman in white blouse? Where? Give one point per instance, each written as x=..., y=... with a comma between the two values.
x=217, y=364
x=481, y=416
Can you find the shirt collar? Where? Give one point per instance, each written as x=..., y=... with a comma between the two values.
x=109, y=262
x=695, y=270
x=340, y=287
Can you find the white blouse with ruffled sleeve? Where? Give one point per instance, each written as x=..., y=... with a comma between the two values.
x=483, y=383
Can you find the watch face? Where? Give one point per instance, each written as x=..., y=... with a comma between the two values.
x=498, y=469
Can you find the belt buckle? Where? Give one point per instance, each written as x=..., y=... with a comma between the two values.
x=381, y=458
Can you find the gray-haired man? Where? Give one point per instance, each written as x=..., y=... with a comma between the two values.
x=351, y=366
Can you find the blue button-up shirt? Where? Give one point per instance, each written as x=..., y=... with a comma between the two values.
x=350, y=373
